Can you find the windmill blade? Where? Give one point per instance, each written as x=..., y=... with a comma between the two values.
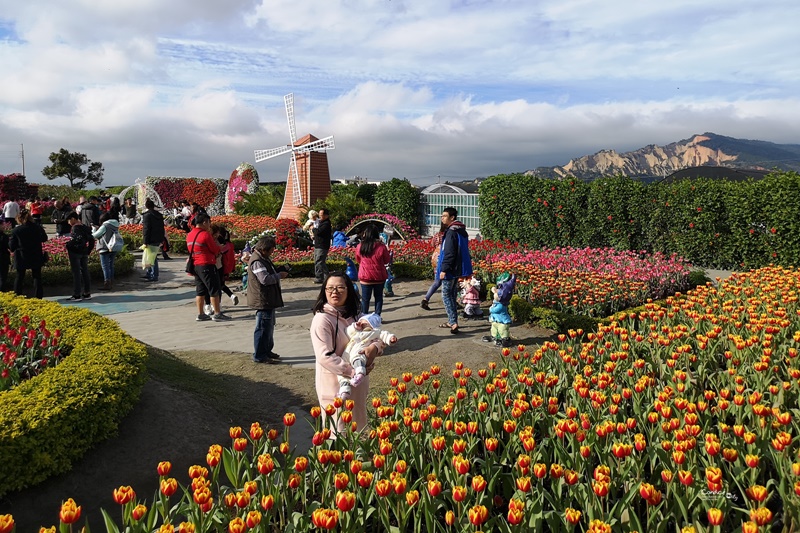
x=297, y=195
x=289, y=101
x=263, y=155
x=322, y=144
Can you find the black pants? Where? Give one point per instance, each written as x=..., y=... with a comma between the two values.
x=36, y=272
x=79, y=263
x=222, y=286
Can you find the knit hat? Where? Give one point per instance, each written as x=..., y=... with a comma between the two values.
x=373, y=319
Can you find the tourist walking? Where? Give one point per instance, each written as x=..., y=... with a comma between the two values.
x=436, y=241
x=153, y=235
x=11, y=212
x=372, y=257
x=454, y=262
x=203, y=250
x=322, y=244
x=264, y=295
x=336, y=308
x=79, y=246
x=26, y=243
x=109, y=244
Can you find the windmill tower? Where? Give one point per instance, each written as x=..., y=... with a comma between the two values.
x=309, y=177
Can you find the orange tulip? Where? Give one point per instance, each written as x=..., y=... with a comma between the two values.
x=124, y=495
x=6, y=523
x=573, y=516
x=186, y=527
x=383, y=487
x=715, y=516
x=253, y=519
x=237, y=525
x=412, y=497
x=478, y=484
x=757, y=493
x=478, y=515
x=267, y=502
x=235, y=432
x=761, y=516
x=345, y=501
x=459, y=493
x=70, y=512
x=325, y=518
x=434, y=487
x=449, y=518
x=523, y=484
x=265, y=464
x=168, y=486
x=163, y=468
x=138, y=512
x=289, y=420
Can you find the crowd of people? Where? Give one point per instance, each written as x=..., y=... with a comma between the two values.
x=345, y=336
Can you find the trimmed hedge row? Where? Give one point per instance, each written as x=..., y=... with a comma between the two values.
x=50, y=421
x=62, y=275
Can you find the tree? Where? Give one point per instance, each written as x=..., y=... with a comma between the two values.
x=66, y=164
x=399, y=198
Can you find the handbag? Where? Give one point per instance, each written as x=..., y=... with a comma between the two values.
x=190, y=261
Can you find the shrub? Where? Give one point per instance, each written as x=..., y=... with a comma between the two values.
x=400, y=198
x=50, y=421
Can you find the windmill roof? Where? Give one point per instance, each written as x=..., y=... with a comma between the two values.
x=305, y=140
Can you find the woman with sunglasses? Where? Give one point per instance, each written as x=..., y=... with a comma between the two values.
x=336, y=308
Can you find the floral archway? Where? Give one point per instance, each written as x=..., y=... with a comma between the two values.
x=402, y=229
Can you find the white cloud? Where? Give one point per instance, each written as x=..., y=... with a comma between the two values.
x=415, y=89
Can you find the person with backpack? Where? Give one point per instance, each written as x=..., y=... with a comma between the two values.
x=153, y=234
x=79, y=246
x=109, y=244
x=90, y=213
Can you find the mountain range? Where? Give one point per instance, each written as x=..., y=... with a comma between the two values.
x=706, y=150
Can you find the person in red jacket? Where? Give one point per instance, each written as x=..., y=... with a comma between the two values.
x=372, y=256
x=204, y=250
x=226, y=263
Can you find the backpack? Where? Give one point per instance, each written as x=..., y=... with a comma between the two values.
x=81, y=241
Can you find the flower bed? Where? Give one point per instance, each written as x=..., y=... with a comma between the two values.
x=50, y=421
x=680, y=416
x=26, y=351
x=589, y=281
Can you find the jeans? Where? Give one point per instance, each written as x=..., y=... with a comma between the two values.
x=79, y=263
x=433, y=288
x=449, y=293
x=320, y=264
x=107, y=264
x=152, y=272
x=264, y=334
x=36, y=272
x=367, y=292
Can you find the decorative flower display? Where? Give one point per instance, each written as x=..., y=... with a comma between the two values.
x=243, y=180
x=682, y=416
x=207, y=192
x=26, y=350
x=406, y=231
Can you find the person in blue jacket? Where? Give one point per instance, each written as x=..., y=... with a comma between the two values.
x=454, y=262
x=339, y=238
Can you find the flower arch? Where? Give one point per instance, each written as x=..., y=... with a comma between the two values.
x=402, y=229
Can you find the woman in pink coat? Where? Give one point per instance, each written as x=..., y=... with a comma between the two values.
x=372, y=257
x=335, y=309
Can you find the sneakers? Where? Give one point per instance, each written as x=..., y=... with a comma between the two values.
x=234, y=299
x=203, y=318
x=208, y=309
x=87, y=296
x=73, y=299
x=424, y=305
x=220, y=317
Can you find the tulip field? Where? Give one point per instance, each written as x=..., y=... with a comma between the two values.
x=682, y=416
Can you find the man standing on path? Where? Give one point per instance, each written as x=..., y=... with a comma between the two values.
x=454, y=262
x=11, y=212
x=204, y=250
x=90, y=213
x=322, y=243
x=153, y=233
x=79, y=246
x=264, y=295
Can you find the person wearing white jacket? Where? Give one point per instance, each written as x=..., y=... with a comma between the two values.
x=109, y=244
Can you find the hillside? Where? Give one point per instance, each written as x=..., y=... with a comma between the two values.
x=708, y=149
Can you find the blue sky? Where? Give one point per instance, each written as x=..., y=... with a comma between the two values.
x=457, y=89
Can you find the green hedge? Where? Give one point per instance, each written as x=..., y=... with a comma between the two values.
x=49, y=422
x=62, y=275
x=714, y=223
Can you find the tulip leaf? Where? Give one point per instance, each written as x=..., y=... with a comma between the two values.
x=111, y=527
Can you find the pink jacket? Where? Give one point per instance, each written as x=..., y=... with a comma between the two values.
x=323, y=332
x=372, y=269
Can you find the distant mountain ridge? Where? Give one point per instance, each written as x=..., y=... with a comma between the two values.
x=708, y=149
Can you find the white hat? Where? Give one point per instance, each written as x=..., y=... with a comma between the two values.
x=373, y=319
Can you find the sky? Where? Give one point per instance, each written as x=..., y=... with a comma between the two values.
x=426, y=90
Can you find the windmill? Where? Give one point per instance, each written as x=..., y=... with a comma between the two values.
x=309, y=178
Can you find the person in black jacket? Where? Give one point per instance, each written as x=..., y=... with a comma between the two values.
x=153, y=233
x=322, y=243
x=26, y=243
x=264, y=295
x=79, y=246
x=5, y=260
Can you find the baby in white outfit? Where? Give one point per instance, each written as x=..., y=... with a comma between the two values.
x=362, y=332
